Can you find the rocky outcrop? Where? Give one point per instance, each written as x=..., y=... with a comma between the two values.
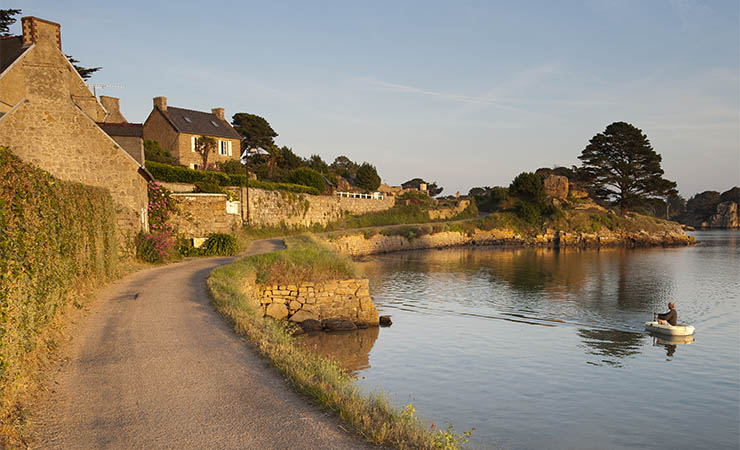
x=332, y=303
x=725, y=217
x=556, y=186
x=359, y=245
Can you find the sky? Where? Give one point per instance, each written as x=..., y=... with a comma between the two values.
x=464, y=93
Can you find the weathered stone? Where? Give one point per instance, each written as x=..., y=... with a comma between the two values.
x=311, y=325
x=295, y=305
x=556, y=186
x=302, y=316
x=385, y=321
x=277, y=310
x=338, y=325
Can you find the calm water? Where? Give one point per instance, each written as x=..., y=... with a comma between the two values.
x=546, y=349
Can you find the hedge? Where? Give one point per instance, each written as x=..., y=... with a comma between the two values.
x=54, y=237
x=178, y=174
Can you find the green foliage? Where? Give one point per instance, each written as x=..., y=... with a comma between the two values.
x=7, y=19
x=231, y=167
x=621, y=166
x=468, y=213
x=529, y=212
x=344, y=167
x=316, y=163
x=367, y=177
x=156, y=247
x=528, y=187
x=161, y=206
x=154, y=152
x=205, y=187
x=176, y=174
x=307, y=177
x=56, y=238
x=399, y=214
x=85, y=72
x=256, y=131
x=220, y=244
x=204, y=145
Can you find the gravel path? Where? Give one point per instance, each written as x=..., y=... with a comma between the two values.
x=153, y=365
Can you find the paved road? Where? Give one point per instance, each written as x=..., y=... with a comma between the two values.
x=154, y=366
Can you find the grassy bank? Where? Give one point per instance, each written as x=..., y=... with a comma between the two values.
x=312, y=375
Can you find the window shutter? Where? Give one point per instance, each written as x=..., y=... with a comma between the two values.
x=229, y=148
x=192, y=143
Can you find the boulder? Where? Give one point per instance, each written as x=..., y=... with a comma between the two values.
x=310, y=325
x=385, y=321
x=725, y=217
x=303, y=315
x=556, y=186
x=277, y=310
x=338, y=325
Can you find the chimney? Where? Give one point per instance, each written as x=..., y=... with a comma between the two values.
x=39, y=31
x=113, y=108
x=218, y=112
x=161, y=103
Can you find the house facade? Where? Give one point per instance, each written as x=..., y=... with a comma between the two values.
x=48, y=118
x=176, y=130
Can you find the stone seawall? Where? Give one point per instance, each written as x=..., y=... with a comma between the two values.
x=359, y=245
x=337, y=299
x=281, y=208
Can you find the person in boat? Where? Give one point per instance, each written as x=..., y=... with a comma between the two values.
x=669, y=318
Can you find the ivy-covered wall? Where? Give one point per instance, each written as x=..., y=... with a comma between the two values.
x=55, y=236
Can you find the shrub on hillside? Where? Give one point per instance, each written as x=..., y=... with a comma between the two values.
x=307, y=177
x=529, y=187
x=220, y=244
x=153, y=152
x=367, y=177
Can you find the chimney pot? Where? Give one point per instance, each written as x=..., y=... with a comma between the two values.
x=218, y=112
x=161, y=103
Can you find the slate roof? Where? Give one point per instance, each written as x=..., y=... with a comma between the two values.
x=11, y=47
x=199, y=122
x=122, y=129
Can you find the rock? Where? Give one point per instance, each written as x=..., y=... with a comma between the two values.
x=385, y=321
x=556, y=186
x=310, y=325
x=303, y=315
x=277, y=310
x=725, y=217
x=295, y=305
x=338, y=325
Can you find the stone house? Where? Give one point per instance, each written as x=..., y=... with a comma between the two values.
x=48, y=118
x=176, y=130
x=130, y=136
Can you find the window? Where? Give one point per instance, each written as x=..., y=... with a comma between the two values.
x=223, y=148
x=214, y=123
x=187, y=119
x=192, y=143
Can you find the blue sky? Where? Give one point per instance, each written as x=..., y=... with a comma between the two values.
x=464, y=93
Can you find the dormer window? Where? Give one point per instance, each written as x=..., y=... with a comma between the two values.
x=187, y=119
x=214, y=123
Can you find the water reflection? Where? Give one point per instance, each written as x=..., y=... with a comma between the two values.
x=670, y=342
x=610, y=345
x=351, y=349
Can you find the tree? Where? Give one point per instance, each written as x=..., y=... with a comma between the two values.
x=203, y=146
x=367, y=177
x=621, y=166
x=307, y=177
x=85, y=72
x=528, y=187
x=316, y=163
x=704, y=204
x=154, y=152
x=256, y=131
x=344, y=167
x=415, y=183
x=7, y=19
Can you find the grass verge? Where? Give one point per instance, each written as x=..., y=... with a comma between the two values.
x=320, y=379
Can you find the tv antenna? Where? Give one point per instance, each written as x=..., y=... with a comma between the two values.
x=95, y=87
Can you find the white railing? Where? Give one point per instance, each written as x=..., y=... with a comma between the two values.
x=374, y=195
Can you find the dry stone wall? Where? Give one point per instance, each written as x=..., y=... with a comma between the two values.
x=198, y=215
x=336, y=299
x=281, y=208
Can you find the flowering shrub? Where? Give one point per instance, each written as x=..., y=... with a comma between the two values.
x=156, y=247
x=161, y=205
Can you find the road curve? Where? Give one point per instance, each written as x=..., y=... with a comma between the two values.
x=153, y=365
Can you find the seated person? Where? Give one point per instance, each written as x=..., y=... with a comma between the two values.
x=669, y=318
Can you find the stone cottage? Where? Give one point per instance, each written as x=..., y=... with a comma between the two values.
x=48, y=118
x=176, y=130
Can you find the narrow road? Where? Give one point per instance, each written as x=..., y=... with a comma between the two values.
x=153, y=365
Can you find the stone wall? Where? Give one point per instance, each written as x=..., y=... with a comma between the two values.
x=448, y=213
x=281, y=208
x=337, y=299
x=198, y=215
x=359, y=245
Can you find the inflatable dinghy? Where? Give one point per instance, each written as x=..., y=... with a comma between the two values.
x=681, y=329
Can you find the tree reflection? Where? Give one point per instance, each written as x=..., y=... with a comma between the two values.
x=611, y=345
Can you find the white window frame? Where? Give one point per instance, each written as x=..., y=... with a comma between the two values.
x=192, y=143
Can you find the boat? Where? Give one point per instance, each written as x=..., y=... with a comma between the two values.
x=681, y=329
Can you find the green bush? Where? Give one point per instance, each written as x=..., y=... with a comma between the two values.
x=56, y=238
x=231, y=167
x=529, y=212
x=156, y=247
x=528, y=187
x=176, y=174
x=307, y=177
x=154, y=152
x=208, y=188
x=367, y=177
x=220, y=244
